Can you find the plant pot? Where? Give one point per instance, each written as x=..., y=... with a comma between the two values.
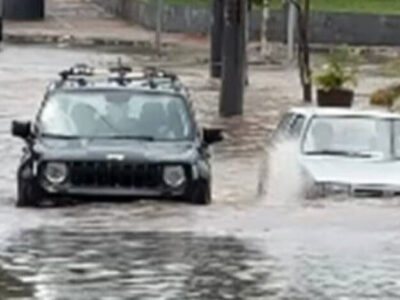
x=335, y=98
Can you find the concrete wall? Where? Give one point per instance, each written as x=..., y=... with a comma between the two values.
x=176, y=18
x=364, y=29
x=335, y=28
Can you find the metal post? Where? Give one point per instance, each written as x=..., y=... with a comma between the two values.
x=265, y=49
x=246, y=41
x=304, y=51
x=217, y=30
x=159, y=26
x=306, y=48
x=291, y=27
x=1, y=19
x=234, y=53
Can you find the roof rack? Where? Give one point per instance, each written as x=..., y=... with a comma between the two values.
x=123, y=75
x=153, y=72
x=159, y=77
x=77, y=70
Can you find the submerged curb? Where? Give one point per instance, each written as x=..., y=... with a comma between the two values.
x=138, y=45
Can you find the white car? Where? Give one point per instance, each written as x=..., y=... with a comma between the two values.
x=343, y=150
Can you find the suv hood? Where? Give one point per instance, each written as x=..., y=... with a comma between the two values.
x=353, y=171
x=102, y=149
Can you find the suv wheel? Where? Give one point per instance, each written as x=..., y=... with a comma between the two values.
x=201, y=195
x=28, y=195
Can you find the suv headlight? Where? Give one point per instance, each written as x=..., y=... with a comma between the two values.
x=55, y=173
x=174, y=176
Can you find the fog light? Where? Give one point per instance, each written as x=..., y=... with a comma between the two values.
x=174, y=176
x=56, y=173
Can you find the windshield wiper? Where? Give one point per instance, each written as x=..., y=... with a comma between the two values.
x=61, y=136
x=131, y=137
x=340, y=153
x=113, y=137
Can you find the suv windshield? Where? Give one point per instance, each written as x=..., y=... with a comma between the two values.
x=348, y=136
x=116, y=114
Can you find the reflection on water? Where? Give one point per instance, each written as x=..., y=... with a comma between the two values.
x=338, y=250
x=13, y=288
x=145, y=265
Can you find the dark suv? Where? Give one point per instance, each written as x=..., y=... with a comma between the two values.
x=115, y=134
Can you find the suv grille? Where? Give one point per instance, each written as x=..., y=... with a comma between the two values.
x=115, y=174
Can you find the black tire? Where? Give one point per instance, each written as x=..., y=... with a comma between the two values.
x=201, y=195
x=28, y=195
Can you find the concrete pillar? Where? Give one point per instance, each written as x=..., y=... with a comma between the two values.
x=234, y=58
x=217, y=31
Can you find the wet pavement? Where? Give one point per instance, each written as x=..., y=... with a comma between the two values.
x=240, y=247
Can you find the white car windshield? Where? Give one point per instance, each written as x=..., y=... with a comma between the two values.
x=115, y=114
x=348, y=136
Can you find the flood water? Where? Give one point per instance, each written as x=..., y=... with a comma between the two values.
x=241, y=247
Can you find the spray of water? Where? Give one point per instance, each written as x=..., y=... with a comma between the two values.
x=281, y=180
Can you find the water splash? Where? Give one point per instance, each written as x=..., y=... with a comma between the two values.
x=281, y=177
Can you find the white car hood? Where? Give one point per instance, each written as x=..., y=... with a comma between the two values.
x=354, y=171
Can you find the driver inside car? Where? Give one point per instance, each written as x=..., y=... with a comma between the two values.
x=84, y=116
x=153, y=120
x=117, y=120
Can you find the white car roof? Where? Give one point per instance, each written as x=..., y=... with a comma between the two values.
x=311, y=111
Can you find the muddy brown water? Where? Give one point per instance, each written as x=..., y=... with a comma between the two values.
x=240, y=247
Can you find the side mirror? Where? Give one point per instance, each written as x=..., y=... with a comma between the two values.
x=21, y=129
x=212, y=135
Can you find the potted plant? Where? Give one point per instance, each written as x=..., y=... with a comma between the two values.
x=387, y=97
x=338, y=71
